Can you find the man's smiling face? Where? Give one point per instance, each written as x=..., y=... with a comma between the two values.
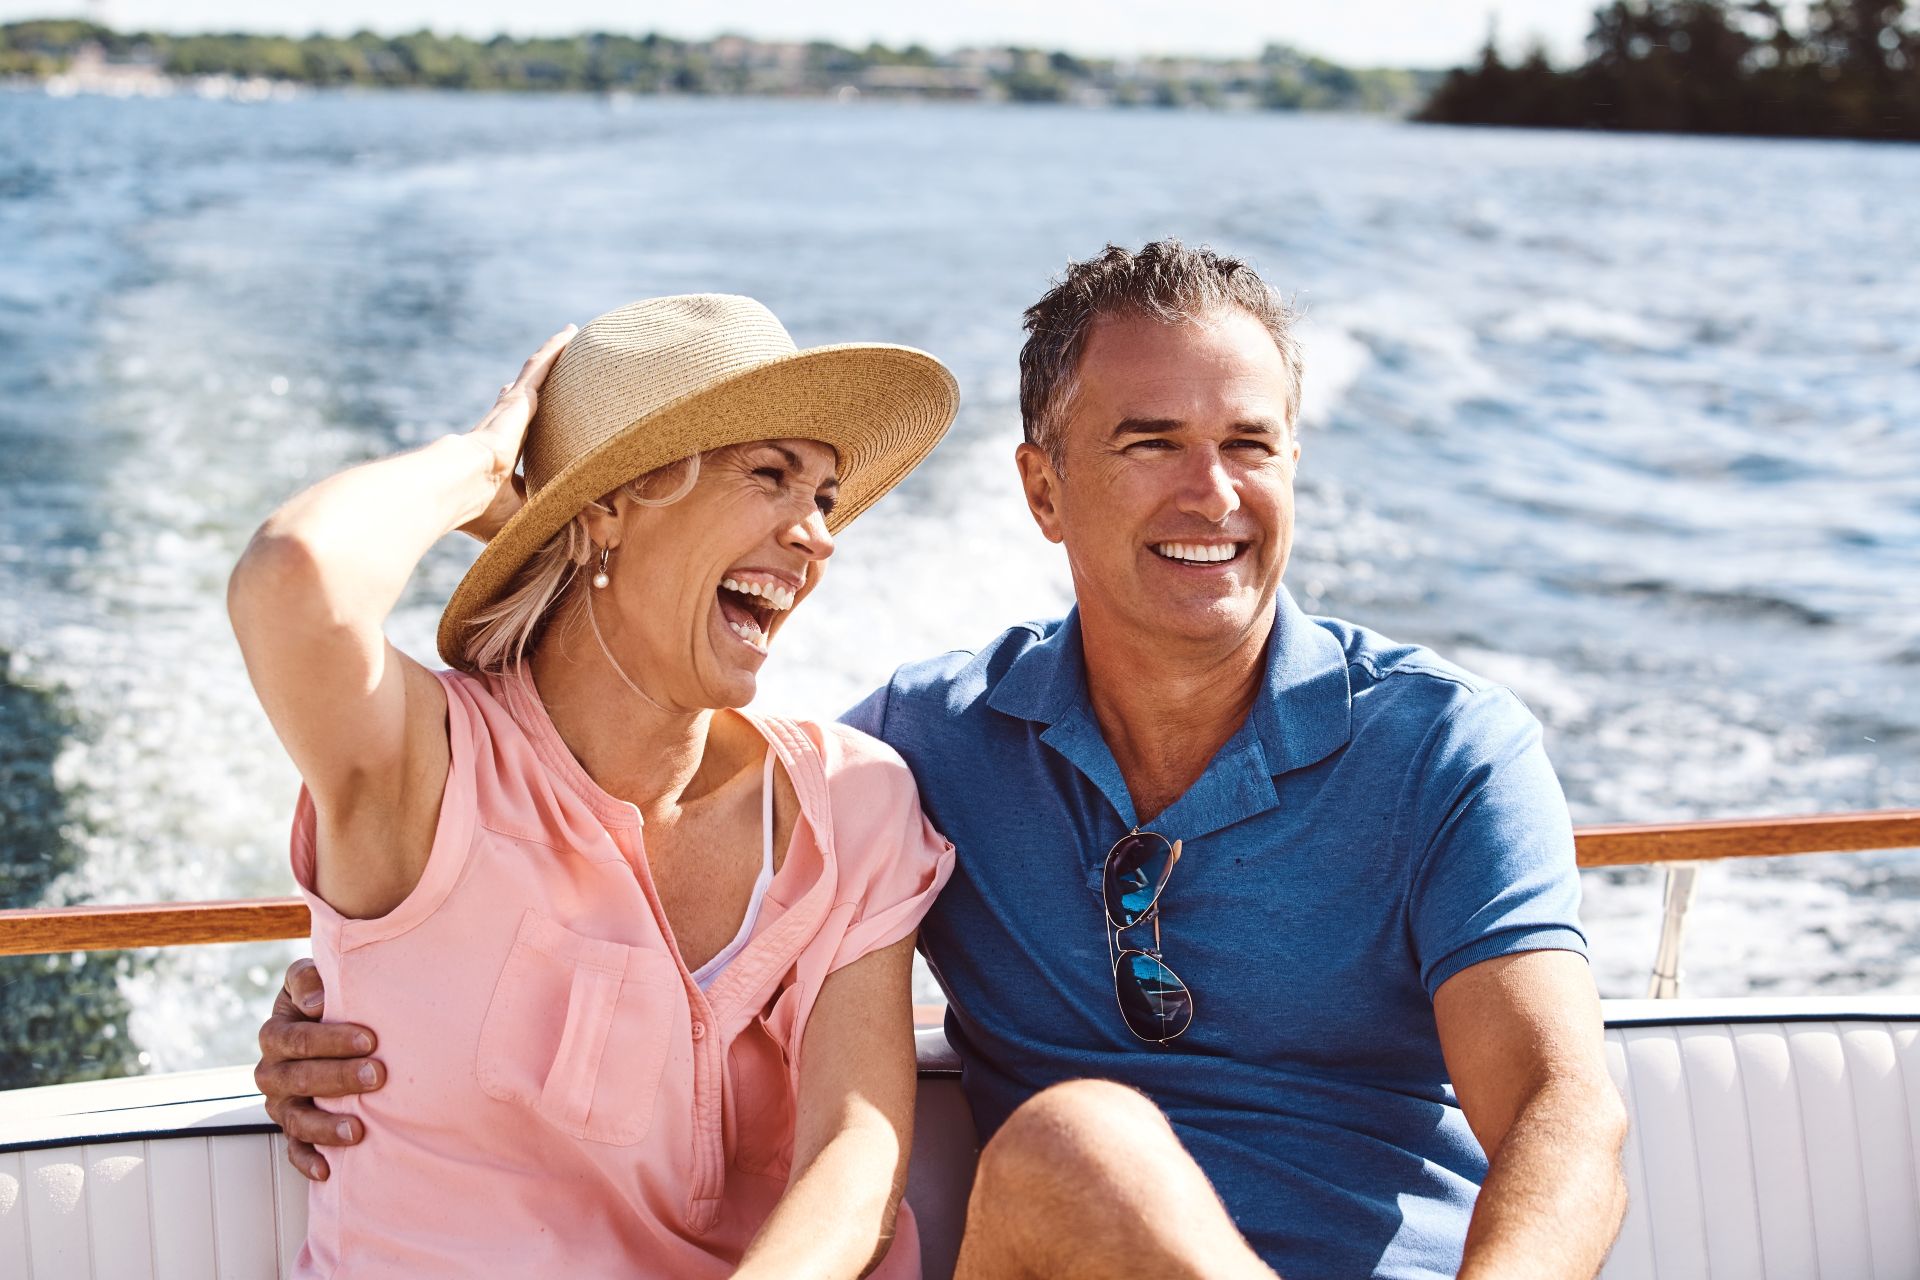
x=1174, y=490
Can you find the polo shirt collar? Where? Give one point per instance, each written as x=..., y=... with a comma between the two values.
x=1306, y=713
x=1303, y=716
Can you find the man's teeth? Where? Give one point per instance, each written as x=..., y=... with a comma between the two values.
x=750, y=633
x=1202, y=553
x=777, y=597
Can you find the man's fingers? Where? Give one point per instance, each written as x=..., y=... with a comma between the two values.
x=304, y=1078
x=282, y=1038
x=303, y=1122
x=303, y=986
x=310, y=1163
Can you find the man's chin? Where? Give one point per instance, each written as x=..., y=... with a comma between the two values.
x=1221, y=622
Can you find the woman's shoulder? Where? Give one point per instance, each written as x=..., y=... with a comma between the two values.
x=484, y=724
x=892, y=860
x=478, y=694
x=853, y=760
x=868, y=787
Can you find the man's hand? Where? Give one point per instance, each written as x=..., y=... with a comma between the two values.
x=302, y=1058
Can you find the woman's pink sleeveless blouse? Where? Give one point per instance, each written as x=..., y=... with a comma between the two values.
x=562, y=1098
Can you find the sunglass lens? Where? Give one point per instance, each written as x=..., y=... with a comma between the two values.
x=1136, y=867
x=1153, y=1000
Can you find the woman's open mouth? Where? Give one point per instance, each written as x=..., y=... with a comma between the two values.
x=749, y=604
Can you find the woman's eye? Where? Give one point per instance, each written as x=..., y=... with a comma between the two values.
x=826, y=503
x=774, y=474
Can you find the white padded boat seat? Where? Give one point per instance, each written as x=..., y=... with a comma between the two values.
x=183, y=1177
x=177, y=1177
x=1772, y=1140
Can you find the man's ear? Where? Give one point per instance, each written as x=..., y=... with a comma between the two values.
x=1042, y=486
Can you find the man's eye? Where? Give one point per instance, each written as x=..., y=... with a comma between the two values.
x=1259, y=446
x=1158, y=446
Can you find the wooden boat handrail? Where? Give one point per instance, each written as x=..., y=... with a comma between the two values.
x=57, y=930
x=1629, y=844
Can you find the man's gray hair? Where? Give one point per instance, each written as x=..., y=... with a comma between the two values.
x=1165, y=281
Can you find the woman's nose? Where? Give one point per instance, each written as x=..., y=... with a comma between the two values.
x=811, y=536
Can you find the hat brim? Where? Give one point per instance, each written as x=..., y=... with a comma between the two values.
x=882, y=409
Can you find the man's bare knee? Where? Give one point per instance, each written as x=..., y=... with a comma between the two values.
x=1067, y=1111
x=1093, y=1168
x=1077, y=1126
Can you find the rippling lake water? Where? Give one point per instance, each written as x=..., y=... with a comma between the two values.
x=1629, y=423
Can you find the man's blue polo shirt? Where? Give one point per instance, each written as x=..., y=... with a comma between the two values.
x=1380, y=822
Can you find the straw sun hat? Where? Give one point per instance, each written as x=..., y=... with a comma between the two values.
x=660, y=380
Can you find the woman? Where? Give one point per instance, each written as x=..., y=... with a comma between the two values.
x=639, y=960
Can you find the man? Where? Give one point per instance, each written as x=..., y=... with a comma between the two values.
x=1261, y=945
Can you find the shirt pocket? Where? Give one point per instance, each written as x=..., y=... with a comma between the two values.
x=578, y=1031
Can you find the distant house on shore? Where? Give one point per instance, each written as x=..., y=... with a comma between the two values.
x=89, y=71
x=959, y=84
x=141, y=75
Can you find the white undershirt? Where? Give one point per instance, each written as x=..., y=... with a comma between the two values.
x=706, y=973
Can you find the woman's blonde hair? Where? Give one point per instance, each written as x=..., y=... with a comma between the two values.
x=506, y=630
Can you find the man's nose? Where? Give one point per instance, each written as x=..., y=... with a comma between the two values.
x=1207, y=489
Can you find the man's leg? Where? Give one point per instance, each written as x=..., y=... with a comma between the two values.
x=1088, y=1179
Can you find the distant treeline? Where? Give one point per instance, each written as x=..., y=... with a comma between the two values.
x=1846, y=69
x=1280, y=78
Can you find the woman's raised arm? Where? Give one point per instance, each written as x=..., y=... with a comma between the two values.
x=365, y=725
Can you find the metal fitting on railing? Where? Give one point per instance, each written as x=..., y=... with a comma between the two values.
x=1665, y=983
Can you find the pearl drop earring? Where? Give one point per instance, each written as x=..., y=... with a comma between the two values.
x=600, y=579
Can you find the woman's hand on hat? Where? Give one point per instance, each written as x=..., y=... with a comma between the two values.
x=503, y=433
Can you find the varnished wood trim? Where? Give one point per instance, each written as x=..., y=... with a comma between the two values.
x=1625, y=845
x=176, y=924
x=180, y=924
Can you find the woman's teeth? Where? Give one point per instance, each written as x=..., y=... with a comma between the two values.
x=1198, y=553
x=777, y=597
x=750, y=633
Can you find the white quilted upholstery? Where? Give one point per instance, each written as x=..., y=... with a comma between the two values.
x=185, y=1208
x=1760, y=1150
x=1769, y=1150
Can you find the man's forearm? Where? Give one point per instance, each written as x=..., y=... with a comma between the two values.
x=1554, y=1197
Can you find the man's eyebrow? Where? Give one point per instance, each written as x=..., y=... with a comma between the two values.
x=793, y=460
x=1164, y=426
x=1260, y=427
x=1143, y=427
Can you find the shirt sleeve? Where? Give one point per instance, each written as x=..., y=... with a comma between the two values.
x=892, y=862
x=1498, y=875
x=869, y=715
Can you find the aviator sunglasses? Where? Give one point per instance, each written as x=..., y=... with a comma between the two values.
x=1155, y=1004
